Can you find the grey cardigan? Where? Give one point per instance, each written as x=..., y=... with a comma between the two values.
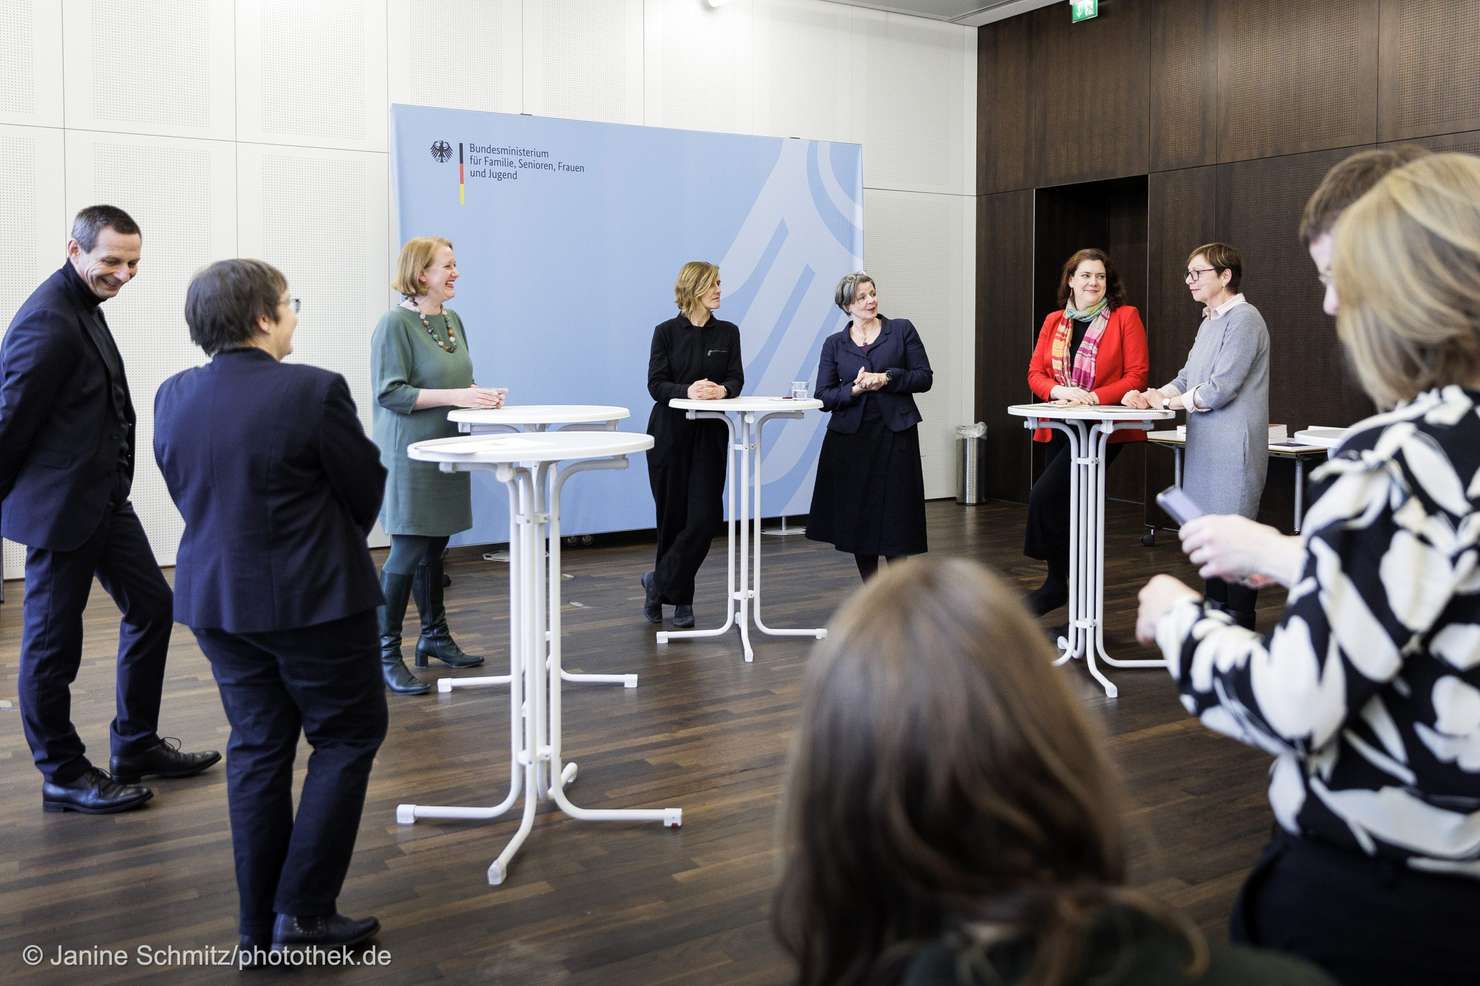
x=1228, y=444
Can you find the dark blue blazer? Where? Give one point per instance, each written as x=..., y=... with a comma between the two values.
x=58, y=432
x=897, y=350
x=270, y=467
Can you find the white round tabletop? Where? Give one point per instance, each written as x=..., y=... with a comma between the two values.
x=1088, y=412
x=536, y=446
x=539, y=414
x=762, y=404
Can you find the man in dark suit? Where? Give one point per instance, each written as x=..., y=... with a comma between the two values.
x=66, y=467
x=279, y=486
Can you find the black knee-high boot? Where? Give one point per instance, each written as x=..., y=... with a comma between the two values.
x=391, y=615
x=436, y=640
x=1054, y=592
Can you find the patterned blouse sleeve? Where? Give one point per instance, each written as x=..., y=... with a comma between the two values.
x=1382, y=563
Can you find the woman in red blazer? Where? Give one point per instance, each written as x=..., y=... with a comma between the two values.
x=1090, y=351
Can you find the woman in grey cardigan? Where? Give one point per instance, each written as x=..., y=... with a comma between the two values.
x=1224, y=388
x=420, y=367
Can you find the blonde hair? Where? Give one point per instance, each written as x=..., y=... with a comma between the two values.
x=1406, y=265
x=416, y=256
x=944, y=782
x=695, y=279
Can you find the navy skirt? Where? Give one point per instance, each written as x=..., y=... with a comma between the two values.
x=869, y=497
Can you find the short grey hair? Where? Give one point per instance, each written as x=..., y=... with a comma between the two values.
x=848, y=288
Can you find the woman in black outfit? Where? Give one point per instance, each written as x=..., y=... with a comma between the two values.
x=869, y=497
x=697, y=356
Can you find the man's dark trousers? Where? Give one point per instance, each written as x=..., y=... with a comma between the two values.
x=324, y=680
x=57, y=587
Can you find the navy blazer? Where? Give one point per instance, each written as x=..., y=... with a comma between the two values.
x=898, y=350
x=270, y=467
x=59, y=443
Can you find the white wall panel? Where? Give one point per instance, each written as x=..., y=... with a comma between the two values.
x=33, y=202
x=914, y=105
x=583, y=59
x=164, y=67
x=182, y=194
x=31, y=62
x=806, y=71
x=320, y=217
x=914, y=246
x=479, y=63
x=313, y=72
x=698, y=66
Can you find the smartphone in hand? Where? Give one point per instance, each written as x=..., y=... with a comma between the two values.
x=1178, y=505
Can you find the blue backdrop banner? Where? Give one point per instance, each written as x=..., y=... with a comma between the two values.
x=568, y=238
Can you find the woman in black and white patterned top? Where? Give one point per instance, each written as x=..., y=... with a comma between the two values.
x=1368, y=690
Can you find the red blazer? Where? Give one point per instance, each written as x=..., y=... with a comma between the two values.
x=1121, y=366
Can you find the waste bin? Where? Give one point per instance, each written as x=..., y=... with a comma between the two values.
x=971, y=447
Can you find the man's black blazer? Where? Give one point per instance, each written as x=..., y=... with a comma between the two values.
x=59, y=441
x=270, y=467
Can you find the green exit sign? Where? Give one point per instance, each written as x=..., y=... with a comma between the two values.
x=1084, y=9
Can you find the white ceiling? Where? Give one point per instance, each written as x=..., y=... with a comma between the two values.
x=970, y=13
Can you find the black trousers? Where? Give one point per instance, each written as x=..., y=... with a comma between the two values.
x=1364, y=920
x=688, y=483
x=1239, y=600
x=1047, y=536
x=57, y=587
x=322, y=681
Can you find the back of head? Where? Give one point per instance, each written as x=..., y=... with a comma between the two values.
x=225, y=300
x=1347, y=181
x=1406, y=264
x=943, y=776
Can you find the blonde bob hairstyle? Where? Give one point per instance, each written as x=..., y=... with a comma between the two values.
x=944, y=784
x=1406, y=264
x=695, y=279
x=416, y=256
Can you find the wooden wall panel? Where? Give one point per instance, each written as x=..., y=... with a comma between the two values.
x=1184, y=85
x=1295, y=77
x=1465, y=143
x=1094, y=81
x=1005, y=104
x=1429, y=74
x=1004, y=335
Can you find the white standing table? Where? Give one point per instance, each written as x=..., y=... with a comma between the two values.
x=1088, y=429
x=750, y=414
x=537, y=418
x=1326, y=438
x=527, y=465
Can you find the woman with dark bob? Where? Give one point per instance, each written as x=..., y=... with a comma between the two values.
x=279, y=487
x=950, y=818
x=869, y=495
x=1091, y=350
x=1367, y=691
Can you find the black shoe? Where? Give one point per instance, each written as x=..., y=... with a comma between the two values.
x=436, y=640
x=652, y=602
x=334, y=931
x=162, y=760
x=683, y=616
x=93, y=793
x=397, y=591
x=1048, y=597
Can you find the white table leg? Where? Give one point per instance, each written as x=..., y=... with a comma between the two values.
x=1101, y=434
x=756, y=540
x=731, y=596
x=1299, y=492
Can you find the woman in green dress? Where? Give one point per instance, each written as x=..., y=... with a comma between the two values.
x=420, y=366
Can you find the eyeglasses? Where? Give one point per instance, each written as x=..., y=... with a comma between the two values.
x=293, y=303
x=1193, y=273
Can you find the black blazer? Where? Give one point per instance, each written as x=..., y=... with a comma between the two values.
x=59, y=442
x=897, y=350
x=270, y=467
x=681, y=354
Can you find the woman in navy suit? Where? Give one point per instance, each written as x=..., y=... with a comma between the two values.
x=869, y=497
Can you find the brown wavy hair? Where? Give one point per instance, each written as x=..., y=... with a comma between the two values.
x=945, y=784
x=1114, y=290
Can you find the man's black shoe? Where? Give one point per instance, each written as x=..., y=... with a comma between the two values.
x=93, y=793
x=164, y=760
x=652, y=602
x=320, y=931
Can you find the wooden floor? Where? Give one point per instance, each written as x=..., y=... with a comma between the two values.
x=584, y=902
